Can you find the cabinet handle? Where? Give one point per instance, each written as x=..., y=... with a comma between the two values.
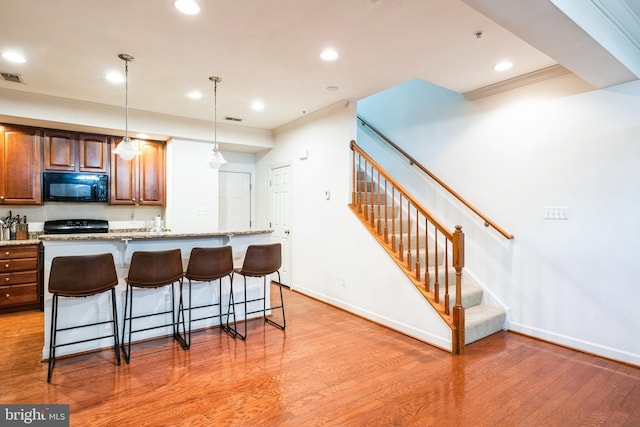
x=7, y=253
x=6, y=266
x=1, y=197
x=7, y=295
x=6, y=279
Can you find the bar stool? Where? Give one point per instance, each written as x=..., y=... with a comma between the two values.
x=260, y=261
x=150, y=270
x=207, y=265
x=81, y=276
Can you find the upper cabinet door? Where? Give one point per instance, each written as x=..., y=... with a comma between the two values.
x=152, y=181
x=20, y=167
x=141, y=180
x=72, y=152
x=60, y=150
x=123, y=187
x=93, y=153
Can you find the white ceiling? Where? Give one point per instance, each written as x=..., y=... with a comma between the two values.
x=269, y=50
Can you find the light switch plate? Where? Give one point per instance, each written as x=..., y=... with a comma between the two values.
x=556, y=212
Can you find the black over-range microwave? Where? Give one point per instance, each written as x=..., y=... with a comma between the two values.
x=75, y=187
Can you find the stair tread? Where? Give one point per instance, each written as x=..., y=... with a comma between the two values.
x=480, y=321
x=481, y=313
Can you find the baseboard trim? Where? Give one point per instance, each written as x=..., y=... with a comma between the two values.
x=586, y=347
x=383, y=321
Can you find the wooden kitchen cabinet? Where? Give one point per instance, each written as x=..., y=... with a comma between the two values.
x=21, y=170
x=141, y=180
x=19, y=284
x=75, y=152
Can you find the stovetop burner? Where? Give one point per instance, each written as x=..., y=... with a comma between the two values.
x=76, y=226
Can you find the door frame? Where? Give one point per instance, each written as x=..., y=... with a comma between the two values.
x=289, y=253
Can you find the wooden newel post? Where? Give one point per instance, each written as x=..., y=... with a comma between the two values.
x=353, y=174
x=458, y=310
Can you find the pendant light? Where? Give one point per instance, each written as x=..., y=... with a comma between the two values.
x=216, y=159
x=126, y=149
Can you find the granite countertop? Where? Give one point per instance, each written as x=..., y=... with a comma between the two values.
x=149, y=235
x=19, y=242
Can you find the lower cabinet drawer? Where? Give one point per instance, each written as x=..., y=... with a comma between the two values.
x=18, y=294
x=21, y=264
x=18, y=278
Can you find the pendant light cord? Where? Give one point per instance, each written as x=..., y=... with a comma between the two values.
x=215, y=81
x=126, y=98
x=126, y=58
x=215, y=113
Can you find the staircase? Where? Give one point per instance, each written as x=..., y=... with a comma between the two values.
x=430, y=255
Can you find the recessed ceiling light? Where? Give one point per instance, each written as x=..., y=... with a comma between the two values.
x=14, y=57
x=114, y=77
x=188, y=7
x=142, y=136
x=257, y=106
x=329, y=55
x=502, y=65
x=332, y=88
x=195, y=94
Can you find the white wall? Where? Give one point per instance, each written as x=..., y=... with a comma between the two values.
x=567, y=281
x=192, y=186
x=330, y=246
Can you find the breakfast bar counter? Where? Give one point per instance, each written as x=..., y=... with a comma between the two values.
x=122, y=245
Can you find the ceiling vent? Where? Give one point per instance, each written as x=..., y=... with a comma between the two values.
x=232, y=119
x=10, y=77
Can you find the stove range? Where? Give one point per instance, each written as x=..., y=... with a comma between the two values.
x=76, y=226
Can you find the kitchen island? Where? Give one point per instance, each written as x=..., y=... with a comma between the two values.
x=122, y=245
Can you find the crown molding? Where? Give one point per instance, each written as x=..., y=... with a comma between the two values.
x=516, y=82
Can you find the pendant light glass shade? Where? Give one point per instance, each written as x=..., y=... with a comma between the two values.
x=216, y=159
x=126, y=149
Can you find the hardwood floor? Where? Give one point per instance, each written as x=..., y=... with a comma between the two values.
x=328, y=368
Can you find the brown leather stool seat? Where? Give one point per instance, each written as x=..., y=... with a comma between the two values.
x=207, y=265
x=260, y=261
x=149, y=270
x=81, y=276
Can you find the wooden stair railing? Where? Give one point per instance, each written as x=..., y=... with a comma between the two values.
x=414, y=162
x=420, y=244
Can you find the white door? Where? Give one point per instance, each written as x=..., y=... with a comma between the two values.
x=281, y=216
x=234, y=195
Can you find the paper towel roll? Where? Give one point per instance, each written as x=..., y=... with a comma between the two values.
x=158, y=223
